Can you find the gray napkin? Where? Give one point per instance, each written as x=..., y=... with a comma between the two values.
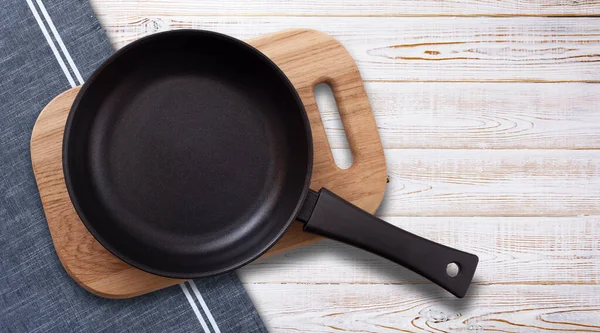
x=46, y=47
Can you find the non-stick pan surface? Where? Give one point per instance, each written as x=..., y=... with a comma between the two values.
x=187, y=153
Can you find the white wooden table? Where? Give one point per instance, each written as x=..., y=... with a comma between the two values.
x=489, y=112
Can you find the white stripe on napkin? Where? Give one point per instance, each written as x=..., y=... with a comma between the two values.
x=61, y=63
x=194, y=307
x=212, y=321
x=60, y=41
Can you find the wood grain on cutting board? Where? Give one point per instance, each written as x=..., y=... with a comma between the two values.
x=497, y=105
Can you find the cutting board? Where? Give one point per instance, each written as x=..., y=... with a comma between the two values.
x=308, y=58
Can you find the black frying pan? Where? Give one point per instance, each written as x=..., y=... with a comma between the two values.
x=189, y=154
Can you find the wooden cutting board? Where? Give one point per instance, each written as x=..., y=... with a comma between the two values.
x=308, y=58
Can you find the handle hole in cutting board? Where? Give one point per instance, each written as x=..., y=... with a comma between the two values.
x=334, y=129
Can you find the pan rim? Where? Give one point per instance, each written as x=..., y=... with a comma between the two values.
x=68, y=134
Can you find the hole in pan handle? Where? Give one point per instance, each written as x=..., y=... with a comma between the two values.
x=328, y=215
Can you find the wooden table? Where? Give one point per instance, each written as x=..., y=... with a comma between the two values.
x=489, y=112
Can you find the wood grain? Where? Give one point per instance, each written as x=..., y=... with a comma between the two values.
x=514, y=251
x=308, y=58
x=351, y=8
x=417, y=49
x=480, y=115
x=425, y=308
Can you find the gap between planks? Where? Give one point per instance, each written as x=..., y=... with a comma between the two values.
x=423, y=15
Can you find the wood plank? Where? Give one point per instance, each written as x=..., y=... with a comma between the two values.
x=471, y=182
x=425, y=308
x=479, y=115
x=419, y=49
x=531, y=250
x=351, y=8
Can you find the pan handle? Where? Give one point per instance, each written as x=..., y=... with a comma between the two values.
x=328, y=215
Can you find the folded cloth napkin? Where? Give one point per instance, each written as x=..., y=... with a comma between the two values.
x=46, y=47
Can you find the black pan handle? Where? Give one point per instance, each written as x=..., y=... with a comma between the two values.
x=326, y=214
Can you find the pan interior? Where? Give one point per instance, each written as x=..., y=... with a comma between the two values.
x=187, y=154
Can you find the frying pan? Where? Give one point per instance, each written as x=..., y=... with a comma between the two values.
x=189, y=153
